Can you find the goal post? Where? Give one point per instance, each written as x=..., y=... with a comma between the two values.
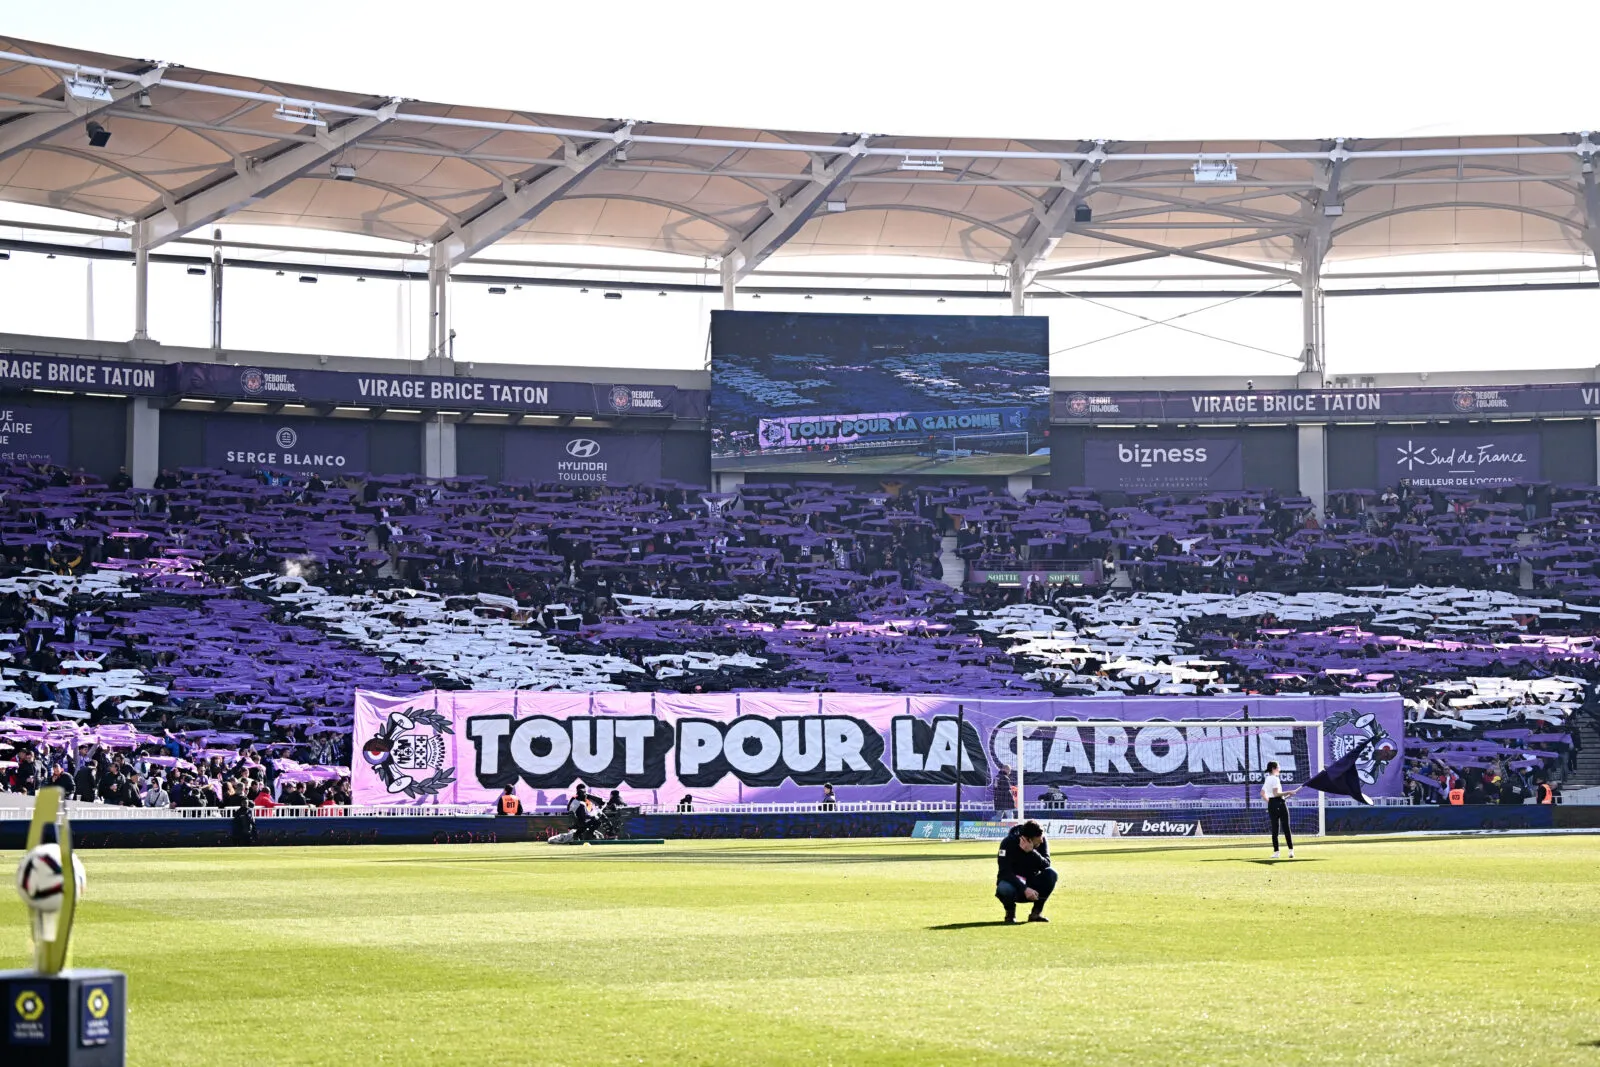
x=1222, y=761
x=1010, y=442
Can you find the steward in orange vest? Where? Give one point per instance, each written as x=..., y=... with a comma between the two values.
x=1458, y=796
x=509, y=804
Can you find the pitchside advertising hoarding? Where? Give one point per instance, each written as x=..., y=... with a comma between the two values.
x=1436, y=461
x=34, y=435
x=1325, y=405
x=465, y=747
x=326, y=447
x=585, y=457
x=1133, y=464
x=879, y=394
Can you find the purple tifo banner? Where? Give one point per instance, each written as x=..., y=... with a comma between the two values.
x=1135, y=465
x=323, y=446
x=30, y=370
x=657, y=748
x=433, y=392
x=582, y=457
x=1325, y=405
x=34, y=435
x=1435, y=461
x=790, y=431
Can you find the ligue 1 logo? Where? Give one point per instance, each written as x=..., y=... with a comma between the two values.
x=287, y=438
x=620, y=397
x=1078, y=405
x=1464, y=400
x=252, y=381
x=583, y=448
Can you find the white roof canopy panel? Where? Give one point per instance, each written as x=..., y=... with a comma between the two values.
x=203, y=146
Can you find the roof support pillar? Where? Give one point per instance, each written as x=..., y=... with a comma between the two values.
x=730, y=282
x=1016, y=280
x=441, y=338
x=141, y=285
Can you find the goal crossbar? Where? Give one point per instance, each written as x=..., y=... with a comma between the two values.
x=1315, y=726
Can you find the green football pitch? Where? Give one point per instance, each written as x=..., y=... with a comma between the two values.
x=1455, y=951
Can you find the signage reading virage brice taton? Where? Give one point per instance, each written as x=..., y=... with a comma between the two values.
x=465, y=747
x=1325, y=405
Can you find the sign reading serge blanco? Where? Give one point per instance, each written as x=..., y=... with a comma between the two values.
x=1133, y=465
x=1439, y=462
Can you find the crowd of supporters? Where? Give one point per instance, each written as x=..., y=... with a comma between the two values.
x=206, y=635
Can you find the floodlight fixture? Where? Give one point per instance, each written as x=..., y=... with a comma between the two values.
x=838, y=205
x=98, y=135
x=306, y=116
x=343, y=172
x=144, y=98
x=89, y=88
x=1219, y=170
x=929, y=163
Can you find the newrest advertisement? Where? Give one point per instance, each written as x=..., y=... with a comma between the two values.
x=582, y=457
x=301, y=446
x=1438, y=461
x=1164, y=466
x=659, y=748
x=879, y=394
x=34, y=435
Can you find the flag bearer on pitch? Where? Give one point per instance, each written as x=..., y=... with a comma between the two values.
x=1025, y=871
x=1277, y=807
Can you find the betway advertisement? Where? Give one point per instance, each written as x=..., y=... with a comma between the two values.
x=303, y=446
x=34, y=435
x=1435, y=461
x=465, y=747
x=582, y=457
x=1159, y=465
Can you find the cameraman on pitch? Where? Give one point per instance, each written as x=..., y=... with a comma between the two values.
x=578, y=808
x=1025, y=872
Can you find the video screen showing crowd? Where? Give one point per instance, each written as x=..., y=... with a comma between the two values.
x=880, y=394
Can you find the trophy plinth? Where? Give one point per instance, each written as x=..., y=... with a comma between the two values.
x=55, y=1016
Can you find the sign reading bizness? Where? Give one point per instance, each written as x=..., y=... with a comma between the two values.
x=1134, y=465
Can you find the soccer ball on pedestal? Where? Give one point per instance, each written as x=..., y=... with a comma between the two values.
x=39, y=880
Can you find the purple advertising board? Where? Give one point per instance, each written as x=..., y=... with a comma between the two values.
x=1440, y=461
x=432, y=392
x=324, y=446
x=465, y=747
x=1325, y=405
x=582, y=457
x=34, y=435
x=31, y=370
x=1160, y=466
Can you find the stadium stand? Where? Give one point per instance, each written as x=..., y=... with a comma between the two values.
x=202, y=639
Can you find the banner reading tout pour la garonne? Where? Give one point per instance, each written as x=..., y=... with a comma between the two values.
x=465, y=747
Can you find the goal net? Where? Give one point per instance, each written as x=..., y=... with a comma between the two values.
x=1013, y=443
x=1192, y=777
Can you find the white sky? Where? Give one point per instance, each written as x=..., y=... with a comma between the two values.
x=1239, y=69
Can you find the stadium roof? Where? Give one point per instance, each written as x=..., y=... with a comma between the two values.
x=190, y=147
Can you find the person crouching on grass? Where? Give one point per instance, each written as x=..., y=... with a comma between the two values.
x=1277, y=807
x=1025, y=871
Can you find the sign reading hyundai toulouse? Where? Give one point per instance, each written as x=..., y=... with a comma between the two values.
x=587, y=457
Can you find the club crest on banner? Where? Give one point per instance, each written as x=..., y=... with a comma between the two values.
x=287, y=438
x=408, y=752
x=620, y=397
x=1348, y=730
x=253, y=381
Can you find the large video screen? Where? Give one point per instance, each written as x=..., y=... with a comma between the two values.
x=879, y=394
